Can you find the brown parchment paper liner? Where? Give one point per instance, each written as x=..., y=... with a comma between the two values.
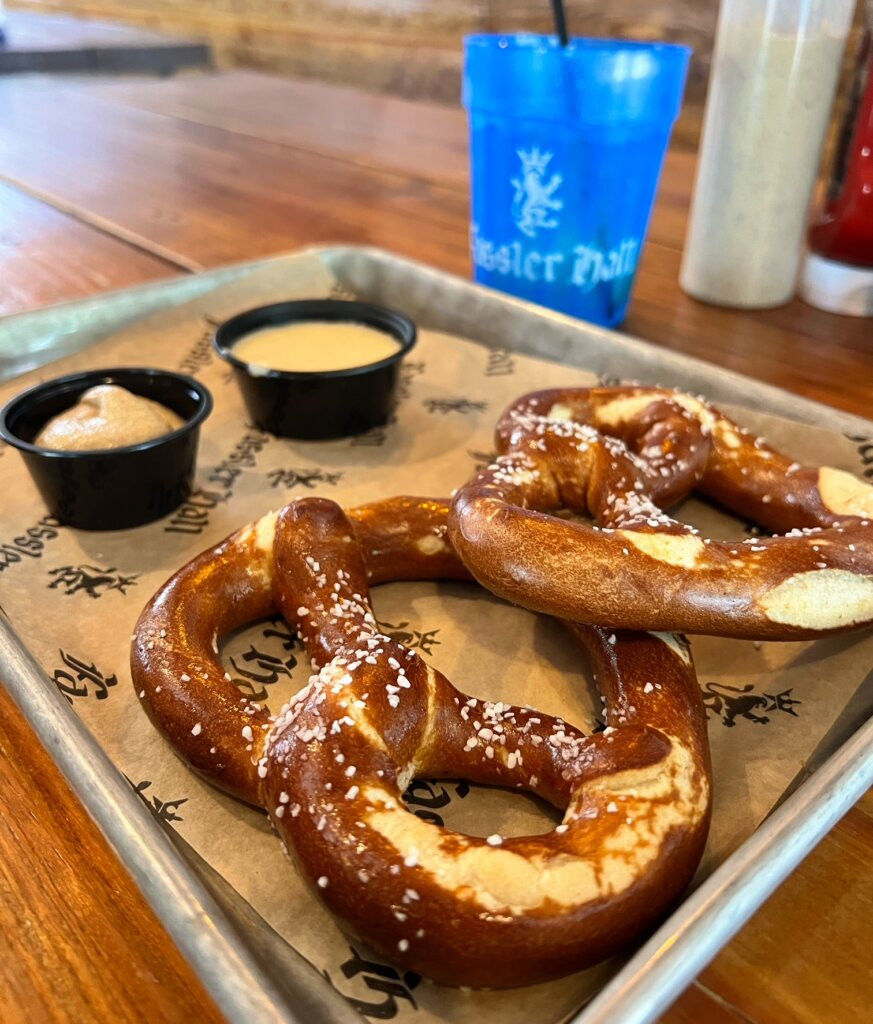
x=75, y=596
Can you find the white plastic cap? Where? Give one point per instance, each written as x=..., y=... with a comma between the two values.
x=837, y=287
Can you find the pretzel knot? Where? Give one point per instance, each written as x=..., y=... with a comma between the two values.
x=332, y=767
x=620, y=455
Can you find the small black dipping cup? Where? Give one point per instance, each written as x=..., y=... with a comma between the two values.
x=111, y=488
x=325, y=403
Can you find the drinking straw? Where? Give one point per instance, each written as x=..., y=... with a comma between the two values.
x=560, y=17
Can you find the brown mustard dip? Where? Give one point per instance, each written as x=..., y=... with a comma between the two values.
x=107, y=416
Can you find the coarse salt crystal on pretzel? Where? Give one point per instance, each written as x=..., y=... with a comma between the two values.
x=623, y=454
x=332, y=767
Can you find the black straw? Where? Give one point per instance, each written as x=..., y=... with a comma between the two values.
x=560, y=16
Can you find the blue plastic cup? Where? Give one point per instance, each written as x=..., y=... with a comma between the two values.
x=566, y=147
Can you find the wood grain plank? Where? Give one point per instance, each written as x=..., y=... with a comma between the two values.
x=421, y=140
x=797, y=347
x=697, y=1005
x=205, y=194
x=425, y=141
x=48, y=257
x=208, y=195
x=805, y=957
x=77, y=940
x=187, y=185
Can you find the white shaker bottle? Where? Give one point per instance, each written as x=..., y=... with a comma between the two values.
x=774, y=76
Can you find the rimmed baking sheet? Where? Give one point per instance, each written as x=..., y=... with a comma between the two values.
x=524, y=347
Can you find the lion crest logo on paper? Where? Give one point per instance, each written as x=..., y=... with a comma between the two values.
x=91, y=579
x=81, y=678
x=534, y=202
x=305, y=478
x=732, y=702
x=382, y=985
x=865, y=452
x=166, y=811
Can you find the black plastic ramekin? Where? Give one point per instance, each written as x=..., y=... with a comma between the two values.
x=323, y=404
x=111, y=488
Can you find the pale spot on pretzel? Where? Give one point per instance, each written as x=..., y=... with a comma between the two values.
x=262, y=532
x=493, y=877
x=430, y=544
x=728, y=435
x=844, y=494
x=430, y=733
x=820, y=599
x=625, y=408
x=682, y=549
x=560, y=413
x=662, y=797
x=265, y=531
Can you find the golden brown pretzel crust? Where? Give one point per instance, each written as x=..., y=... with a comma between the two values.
x=174, y=655
x=332, y=767
x=639, y=569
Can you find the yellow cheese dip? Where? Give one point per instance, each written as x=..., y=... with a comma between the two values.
x=315, y=346
x=107, y=416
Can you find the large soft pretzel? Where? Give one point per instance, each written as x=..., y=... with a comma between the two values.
x=620, y=455
x=332, y=767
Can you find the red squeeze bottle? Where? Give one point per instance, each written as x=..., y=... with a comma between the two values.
x=838, y=271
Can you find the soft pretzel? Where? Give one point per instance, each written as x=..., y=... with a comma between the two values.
x=619, y=455
x=332, y=767
x=175, y=643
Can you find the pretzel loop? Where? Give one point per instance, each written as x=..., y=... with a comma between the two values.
x=332, y=767
x=640, y=569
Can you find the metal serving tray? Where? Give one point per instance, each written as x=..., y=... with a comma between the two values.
x=253, y=974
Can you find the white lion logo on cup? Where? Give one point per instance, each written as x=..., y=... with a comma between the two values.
x=532, y=203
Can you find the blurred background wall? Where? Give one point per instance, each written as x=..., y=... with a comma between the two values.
x=409, y=48
x=406, y=47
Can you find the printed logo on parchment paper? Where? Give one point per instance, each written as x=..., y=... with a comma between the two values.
x=500, y=363
x=414, y=639
x=81, y=678
x=30, y=544
x=94, y=581
x=243, y=456
x=388, y=984
x=193, y=515
x=166, y=811
x=200, y=353
x=279, y=652
x=865, y=451
x=306, y=478
x=448, y=405
x=408, y=373
x=260, y=666
x=425, y=797
x=733, y=702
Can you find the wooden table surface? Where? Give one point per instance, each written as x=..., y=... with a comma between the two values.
x=105, y=184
